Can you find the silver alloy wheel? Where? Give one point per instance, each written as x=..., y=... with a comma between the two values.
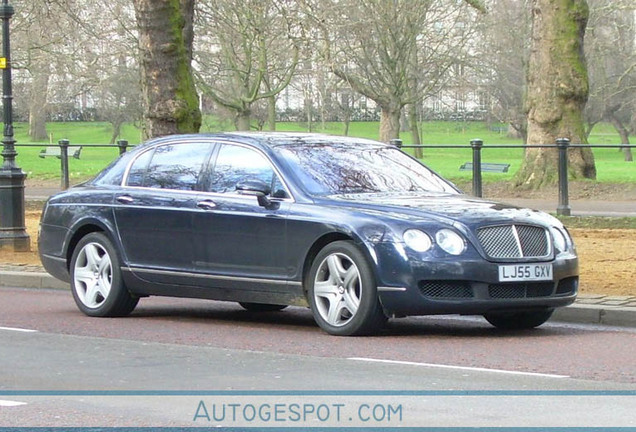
x=93, y=275
x=337, y=289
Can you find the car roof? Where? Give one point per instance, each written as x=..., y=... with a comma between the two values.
x=272, y=139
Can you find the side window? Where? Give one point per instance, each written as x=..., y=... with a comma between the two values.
x=173, y=166
x=138, y=169
x=236, y=163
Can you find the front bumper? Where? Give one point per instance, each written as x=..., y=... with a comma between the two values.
x=409, y=284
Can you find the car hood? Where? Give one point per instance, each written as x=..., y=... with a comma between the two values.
x=449, y=207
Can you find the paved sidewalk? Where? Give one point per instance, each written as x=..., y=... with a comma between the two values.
x=579, y=207
x=588, y=309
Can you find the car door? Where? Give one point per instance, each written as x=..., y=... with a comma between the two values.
x=238, y=243
x=154, y=211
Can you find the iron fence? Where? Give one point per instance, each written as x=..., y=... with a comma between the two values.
x=562, y=144
x=476, y=145
x=64, y=144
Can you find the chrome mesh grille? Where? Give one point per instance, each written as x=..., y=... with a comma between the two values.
x=534, y=241
x=514, y=241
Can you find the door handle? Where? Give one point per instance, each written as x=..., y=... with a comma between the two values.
x=206, y=205
x=125, y=199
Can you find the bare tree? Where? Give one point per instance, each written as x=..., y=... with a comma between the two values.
x=502, y=58
x=557, y=91
x=170, y=100
x=108, y=70
x=371, y=45
x=69, y=54
x=611, y=52
x=248, y=51
x=42, y=32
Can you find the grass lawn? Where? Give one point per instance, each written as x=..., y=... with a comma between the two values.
x=609, y=162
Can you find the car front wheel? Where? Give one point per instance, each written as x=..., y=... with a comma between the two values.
x=96, y=281
x=519, y=320
x=342, y=291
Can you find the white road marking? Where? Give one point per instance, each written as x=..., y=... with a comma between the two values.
x=7, y=403
x=18, y=329
x=466, y=368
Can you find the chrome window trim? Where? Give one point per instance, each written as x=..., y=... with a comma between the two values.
x=123, y=184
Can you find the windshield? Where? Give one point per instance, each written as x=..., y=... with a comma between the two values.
x=334, y=169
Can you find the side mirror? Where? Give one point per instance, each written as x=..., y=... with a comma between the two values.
x=259, y=189
x=253, y=187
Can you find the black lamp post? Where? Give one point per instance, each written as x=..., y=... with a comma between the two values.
x=12, y=230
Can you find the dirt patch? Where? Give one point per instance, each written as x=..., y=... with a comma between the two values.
x=607, y=257
x=607, y=260
x=32, y=220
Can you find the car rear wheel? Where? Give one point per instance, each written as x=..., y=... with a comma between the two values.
x=342, y=291
x=519, y=320
x=261, y=307
x=96, y=280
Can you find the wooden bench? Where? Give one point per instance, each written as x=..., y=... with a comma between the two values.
x=487, y=167
x=499, y=129
x=55, y=151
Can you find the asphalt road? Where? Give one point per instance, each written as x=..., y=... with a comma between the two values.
x=189, y=363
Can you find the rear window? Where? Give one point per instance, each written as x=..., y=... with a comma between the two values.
x=170, y=166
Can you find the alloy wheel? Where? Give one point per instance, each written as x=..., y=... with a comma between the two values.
x=93, y=275
x=337, y=289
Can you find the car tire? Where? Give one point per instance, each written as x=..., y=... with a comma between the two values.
x=342, y=291
x=518, y=320
x=96, y=279
x=261, y=307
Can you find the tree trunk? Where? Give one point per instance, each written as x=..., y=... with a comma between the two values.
x=624, y=134
x=271, y=113
x=243, y=121
x=187, y=10
x=116, y=129
x=347, y=122
x=171, y=104
x=557, y=91
x=389, y=123
x=415, y=130
x=38, y=102
x=309, y=108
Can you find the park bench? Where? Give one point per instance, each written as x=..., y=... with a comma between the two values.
x=55, y=151
x=488, y=167
x=499, y=129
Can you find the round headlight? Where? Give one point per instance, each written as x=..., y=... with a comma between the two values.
x=450, y=241
x=560, y=242
x=417, y=240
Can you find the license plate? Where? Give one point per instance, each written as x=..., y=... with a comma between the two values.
x=525, y=272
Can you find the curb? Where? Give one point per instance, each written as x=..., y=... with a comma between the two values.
x=621, y=316
x=597, y=314
x=37, y=280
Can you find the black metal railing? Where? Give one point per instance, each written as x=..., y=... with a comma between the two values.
x=562, y=144
x=64, y=144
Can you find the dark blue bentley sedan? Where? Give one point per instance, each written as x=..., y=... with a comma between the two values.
x=355, y=229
